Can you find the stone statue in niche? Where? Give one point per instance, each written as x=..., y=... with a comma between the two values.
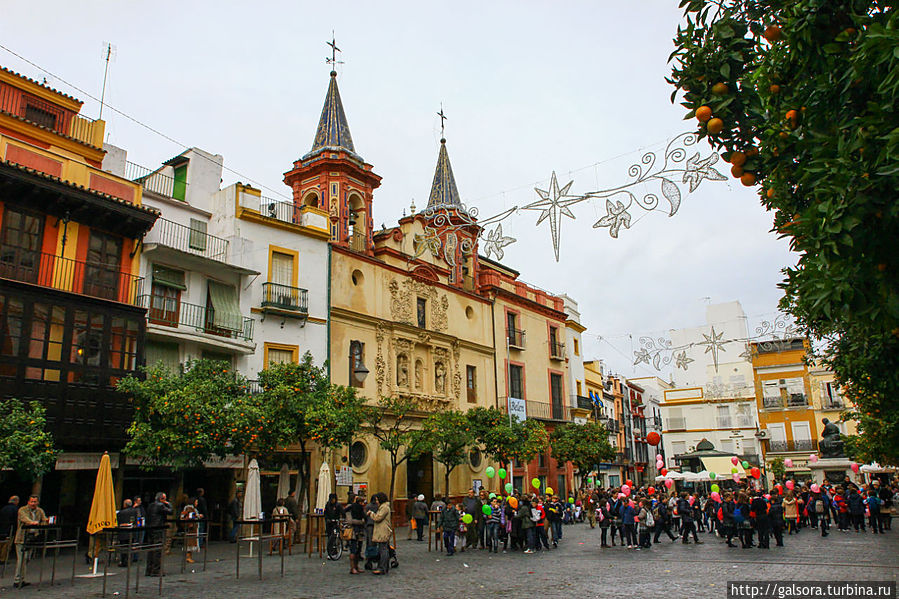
x=439, y=377
x=402, y=370
x=418, y=374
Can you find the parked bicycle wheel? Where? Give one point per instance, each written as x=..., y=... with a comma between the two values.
x=335, y=547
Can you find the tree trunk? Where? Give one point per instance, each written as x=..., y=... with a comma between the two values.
x=393, y=467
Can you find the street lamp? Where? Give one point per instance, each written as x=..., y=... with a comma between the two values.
x=358, y=371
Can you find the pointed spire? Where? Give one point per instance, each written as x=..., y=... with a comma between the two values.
x=443, y=190
x=333, y=131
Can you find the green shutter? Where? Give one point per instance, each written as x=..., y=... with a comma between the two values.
x=168, y=277
x=226, y=309
x=179, y=188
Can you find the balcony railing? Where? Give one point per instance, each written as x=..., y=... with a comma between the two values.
x=150, y=180
x=556, y=350
x=793, y=445
x=677, y=424
x=104, y=281
x=547, y=411
x=516, y=338
x=186, y=239
x=795, y=400
x=51, y=116
x=199, y=318
x=285, y=297
x=833, y=404
x=611, y=424
x=583, y=403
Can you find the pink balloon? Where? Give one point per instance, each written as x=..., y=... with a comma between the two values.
x=790, y=485
x=734, y=460
x=715, y=496
x=691, y=500
x=736, y=477
x=815, y=488
x=626, y=490
x=854, y=467
x=788, y=463
x=768, y=496
x=669, y=483
x=813, y=458
x=659, y=457
x=660, y=464
x=621, y=496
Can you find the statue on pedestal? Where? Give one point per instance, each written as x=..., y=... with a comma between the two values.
x=831, y=445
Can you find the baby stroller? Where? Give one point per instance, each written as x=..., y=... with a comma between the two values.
x=371, y=556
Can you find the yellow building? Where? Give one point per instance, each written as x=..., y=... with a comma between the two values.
x=788, y=421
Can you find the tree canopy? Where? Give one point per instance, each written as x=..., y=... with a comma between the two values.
x=25, y=446
x=801, y=98
x=584, y=445
x=448, y=436
x=392, y=424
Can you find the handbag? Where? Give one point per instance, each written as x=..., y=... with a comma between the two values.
x=413, y=523
x=347, y=533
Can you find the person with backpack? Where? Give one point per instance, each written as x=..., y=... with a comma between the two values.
x=538, y=515
x=688, y=526
x=710, y=514
x=776, y=517
x=820, y=501
x=758, y=507
x=873, y=503
x=660, y=515
x=645, y=523
x=743, y=521
x=885, y=494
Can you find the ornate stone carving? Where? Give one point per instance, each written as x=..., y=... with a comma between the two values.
x=439, y=378
x=457, y=369
x=402, y=370
x=400, y=303
x=403, y=298
x=419, y=374
x=438, y=312
x=380, y=363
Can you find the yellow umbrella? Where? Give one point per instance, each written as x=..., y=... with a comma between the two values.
x=103, y=512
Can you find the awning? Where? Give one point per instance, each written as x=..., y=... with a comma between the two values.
x=226, y=310
x=721, y=466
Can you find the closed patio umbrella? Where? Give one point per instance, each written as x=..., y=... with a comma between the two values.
x=324, y=486
x=252, y=502
x=103, y=506
x=283, y=482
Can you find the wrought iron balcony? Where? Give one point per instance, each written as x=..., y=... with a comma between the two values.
x=794, y=400
x=187, y=239
x=792, y=445
x=547, y=411
x=151, y=180
x=516, y=338
x=584, y=403
x=285, y=297
x=556, y=350
x=104, y=281
x=165, y=312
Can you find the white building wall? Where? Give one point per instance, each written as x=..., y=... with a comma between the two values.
x=729, y=321
x=575, y=362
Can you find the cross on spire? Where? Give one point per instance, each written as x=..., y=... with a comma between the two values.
x=334, y=50
x=443, y=118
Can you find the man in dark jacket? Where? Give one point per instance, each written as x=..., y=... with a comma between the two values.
x=663, y=520
x=857, y=509
x=472, y=506
x=685, y=510
x=235, y=513
x=776, y=517
x=127, y=516
x=157, y=513
x=8, y=525
x=886, y=504
x=759, y=507
x=728, y=522
x=449, y=523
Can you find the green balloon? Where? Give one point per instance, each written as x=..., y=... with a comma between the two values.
x=508, y=487
x=535, y=483
x=733, y=470
x=486, y=509
x=745, y=464
x=502, y=473
x=493, y=496
x=712, y=475
x=467, y=518
x=571, y=500
x=715, y=488
x=491, y=471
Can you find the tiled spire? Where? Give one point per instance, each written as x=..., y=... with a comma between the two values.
x=443, y=190
x=333, y=131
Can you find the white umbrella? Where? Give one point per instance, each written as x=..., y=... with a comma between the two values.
x=283, y=482
x=252, y=499
x=324, y=486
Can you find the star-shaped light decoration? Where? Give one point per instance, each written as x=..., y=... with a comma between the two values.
x=747, y=353
x=696, y=170
x=617, y=216
x=681, y=360
x=714, y=345
x=496, y=241
x=553, y=204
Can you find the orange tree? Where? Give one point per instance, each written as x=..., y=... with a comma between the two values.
x=182, y=419
x=505, y=440
x=584, y=445
x=801, y=97
x=25, y=446
x=447, y=435
x=301, y=407
x=392, y=423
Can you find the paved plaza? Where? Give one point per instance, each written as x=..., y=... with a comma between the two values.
x=579, y=567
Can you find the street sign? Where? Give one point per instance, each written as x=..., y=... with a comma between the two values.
x=518, y=408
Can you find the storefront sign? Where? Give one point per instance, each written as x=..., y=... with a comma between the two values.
x=518, y=409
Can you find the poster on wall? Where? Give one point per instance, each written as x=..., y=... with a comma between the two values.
x=360, y=489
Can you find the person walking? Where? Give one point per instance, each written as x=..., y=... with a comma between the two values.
x=759, y=508
x=473, y=508
x=157, y=513
x=645, y=524
x=355, y=516
x=592, y=501
x=554, y=511
x=538, y=514
x=28, y=515
x=420, y=516
x=728, y=522
x=885, y=494
x=688, y=526
x=528, y=526
x=873, y=503
x=8, y=515
x=448, y=522
x=662, y=518
x=628, y=513
x=776, y=518
x=743, y=520
x=381, y=532
x=605, y=520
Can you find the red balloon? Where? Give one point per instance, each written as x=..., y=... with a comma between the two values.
x=755, y=472
x=653, y=438
x=630, y=483
x=651, y=490
x=663, y=471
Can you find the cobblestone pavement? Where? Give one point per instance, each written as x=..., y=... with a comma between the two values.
x=579, y=567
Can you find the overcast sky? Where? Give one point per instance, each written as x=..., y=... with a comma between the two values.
x=529, y=87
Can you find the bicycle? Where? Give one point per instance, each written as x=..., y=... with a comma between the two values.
x=336, y=544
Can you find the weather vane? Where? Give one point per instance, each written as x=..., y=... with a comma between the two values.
x=442, y=119
x=334, y=50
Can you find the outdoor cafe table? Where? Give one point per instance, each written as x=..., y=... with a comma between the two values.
x=131, y=546
x=49, y=537
x=258, y=537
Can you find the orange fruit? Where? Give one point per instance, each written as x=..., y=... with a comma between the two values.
x=752, y=152
x=737, y=158
x=770, y=193
x=703, y=114
x=881, y=267
x=748, y=179
x=719, y=89
x=715, y=126
x=774, y=89
x=736, y=171
x=773, y=34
